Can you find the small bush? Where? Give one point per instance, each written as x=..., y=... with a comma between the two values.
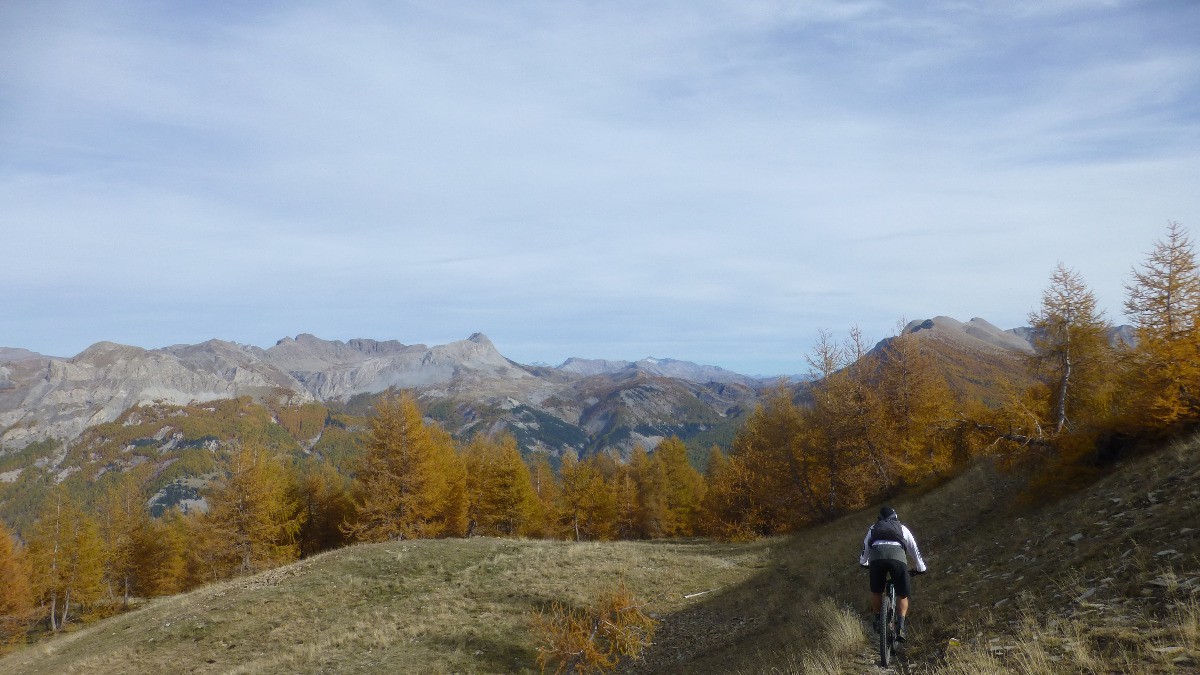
x=593, y=638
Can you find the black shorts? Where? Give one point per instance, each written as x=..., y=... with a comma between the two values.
x=880, y=569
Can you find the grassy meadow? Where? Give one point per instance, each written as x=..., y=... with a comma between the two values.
x=1105, y=579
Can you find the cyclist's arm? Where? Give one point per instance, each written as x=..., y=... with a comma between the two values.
x=863, y=558
x=910, y=543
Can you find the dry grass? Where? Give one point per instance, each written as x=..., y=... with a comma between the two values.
x=1012, y=589
x=429, y=606
x=1077, y=646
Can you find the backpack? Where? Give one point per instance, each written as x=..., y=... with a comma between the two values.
x=887, y=530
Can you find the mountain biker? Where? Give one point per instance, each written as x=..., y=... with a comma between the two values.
x=886, y=551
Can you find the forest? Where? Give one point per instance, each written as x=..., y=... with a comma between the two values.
x=873, y=423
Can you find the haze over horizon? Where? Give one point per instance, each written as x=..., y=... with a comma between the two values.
x=710, y=182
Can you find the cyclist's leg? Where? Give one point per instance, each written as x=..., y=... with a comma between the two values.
x=877, y=573
x=903, y=582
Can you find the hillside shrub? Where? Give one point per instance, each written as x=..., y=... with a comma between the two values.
x=593, y=639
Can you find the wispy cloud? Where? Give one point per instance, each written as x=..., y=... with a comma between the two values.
x=711, y=181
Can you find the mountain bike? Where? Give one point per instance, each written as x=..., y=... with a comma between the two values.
x=887, y=625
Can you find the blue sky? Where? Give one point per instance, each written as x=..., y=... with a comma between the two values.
x=705, y=181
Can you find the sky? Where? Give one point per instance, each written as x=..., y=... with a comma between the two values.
x=708, y=181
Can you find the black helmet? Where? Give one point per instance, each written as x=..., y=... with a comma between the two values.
x=887, y=512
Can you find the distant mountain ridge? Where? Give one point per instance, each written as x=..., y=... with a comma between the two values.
x=47, y=397
x=684, y=370
x=581, y=405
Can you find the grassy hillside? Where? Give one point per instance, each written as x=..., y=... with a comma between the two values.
x=427, y=606
x=1104, y=579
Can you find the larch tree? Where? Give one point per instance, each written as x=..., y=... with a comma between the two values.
x=1071, y=352
x=501, y=498
x=587, y=505
x=649, y=508
x=325, y=502
x=918, y=410
x=253, y=514
x=546, y=489
x=123, y=518
x=165, y=560
x=625, y=493
x=67, y=558
x=729, y=506
x=1163, y=301
x=682, y=491
x=411, y=483
x=846, y=416
x=774, y=477
x=16, y=595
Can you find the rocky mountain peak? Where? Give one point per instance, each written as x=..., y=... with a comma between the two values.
x=976, y=333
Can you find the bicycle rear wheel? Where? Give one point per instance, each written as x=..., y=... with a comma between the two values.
x=887, y=613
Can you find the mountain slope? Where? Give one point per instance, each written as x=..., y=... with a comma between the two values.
x=1022, y=579
x=1107, y=574
x=46, y=398
x=470, y=381
x=401, y=607
x=978, y=360
x=684, y=370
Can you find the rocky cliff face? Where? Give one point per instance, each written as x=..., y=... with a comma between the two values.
x=43, y=397
x=336, y=370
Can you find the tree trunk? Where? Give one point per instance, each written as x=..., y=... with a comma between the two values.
x=1060, y=411
x=66, y=608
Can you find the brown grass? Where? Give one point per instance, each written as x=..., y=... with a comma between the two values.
x=428, y=606
x=1011, y=589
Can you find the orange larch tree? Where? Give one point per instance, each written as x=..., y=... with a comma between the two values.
x=1163, y=301
x=253, y=515
x=501, y=498
x=67, y=558
x=411, y=484
x=682, y=489
x=16, y=595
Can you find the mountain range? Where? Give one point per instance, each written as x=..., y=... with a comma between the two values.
x=43, y=397
x=583, y=404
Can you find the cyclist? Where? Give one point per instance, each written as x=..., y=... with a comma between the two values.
x=886, y=551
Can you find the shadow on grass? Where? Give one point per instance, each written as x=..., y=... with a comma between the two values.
x=491, y=656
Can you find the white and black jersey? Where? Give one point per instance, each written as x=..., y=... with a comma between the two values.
x=908, y=542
